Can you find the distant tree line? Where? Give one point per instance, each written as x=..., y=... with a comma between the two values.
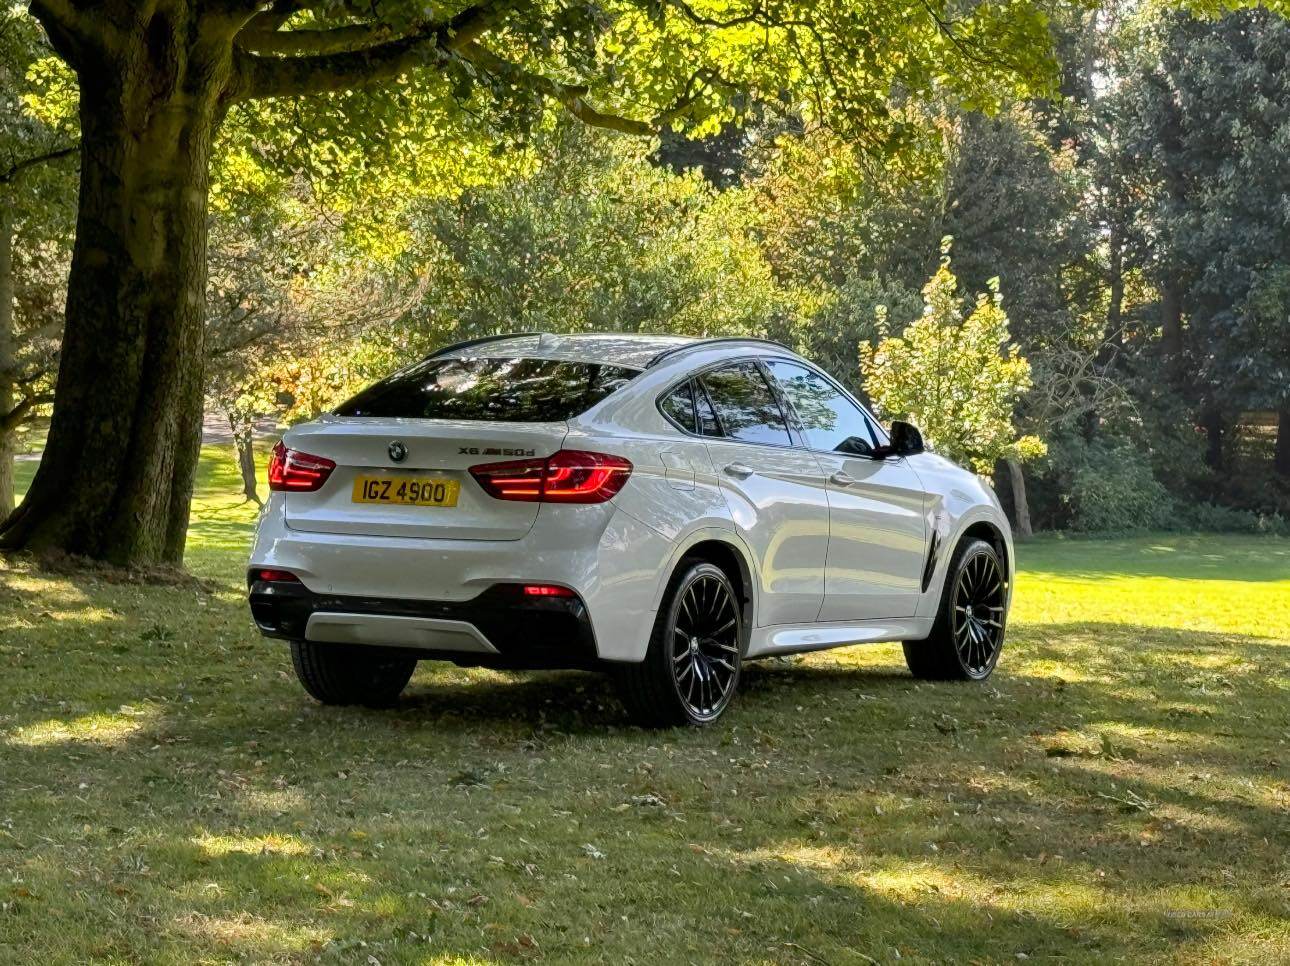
x=1124, y=238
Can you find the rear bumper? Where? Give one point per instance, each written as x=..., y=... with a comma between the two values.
x=614, y=563
x=499, y=628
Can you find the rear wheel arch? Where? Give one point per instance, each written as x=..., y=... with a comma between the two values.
x=732, y=561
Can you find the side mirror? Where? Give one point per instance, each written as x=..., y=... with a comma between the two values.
x=906, y=440
x=855, y=446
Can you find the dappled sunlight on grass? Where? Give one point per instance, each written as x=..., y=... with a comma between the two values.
x=108, y=729
x=215, y=846
x=1118, y=791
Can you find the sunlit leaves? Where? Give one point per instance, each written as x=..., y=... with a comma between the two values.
x=955, y=373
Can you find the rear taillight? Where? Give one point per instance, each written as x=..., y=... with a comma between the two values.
x=274, y=576
x=569, y=476
x=290, y=469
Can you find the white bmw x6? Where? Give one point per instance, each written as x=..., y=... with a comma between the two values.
x=661, y=508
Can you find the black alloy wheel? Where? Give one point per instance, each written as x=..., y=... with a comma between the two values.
x=691, y=669
x=978, y=615
x=705, y=645
x=968, y=633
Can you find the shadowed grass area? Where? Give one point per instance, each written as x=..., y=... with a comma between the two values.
x=1119, y=790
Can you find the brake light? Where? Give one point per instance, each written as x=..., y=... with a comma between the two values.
x=547, y=590
x=569, y=476
x=290, y=469
x=274, y=576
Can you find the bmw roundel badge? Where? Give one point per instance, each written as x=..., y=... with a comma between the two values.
x=398, y=452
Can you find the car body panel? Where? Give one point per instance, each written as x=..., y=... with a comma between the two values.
x=877, y=539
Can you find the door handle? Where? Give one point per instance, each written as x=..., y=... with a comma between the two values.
x=739, y=471
x=841, y=478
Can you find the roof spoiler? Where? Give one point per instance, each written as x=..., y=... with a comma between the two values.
x=482, y=340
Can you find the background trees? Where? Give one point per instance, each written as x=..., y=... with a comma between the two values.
x=36, y=161
x=157, y=81
x=366, y=187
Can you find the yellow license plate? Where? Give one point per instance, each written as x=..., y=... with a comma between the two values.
x=406, y=490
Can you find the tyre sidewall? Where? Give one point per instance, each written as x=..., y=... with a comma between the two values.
x=664, y=632
x=969, y=551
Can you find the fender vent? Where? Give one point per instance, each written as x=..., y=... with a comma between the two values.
x=930, y=567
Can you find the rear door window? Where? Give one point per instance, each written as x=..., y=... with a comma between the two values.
x=491, y=390
x=745, y=405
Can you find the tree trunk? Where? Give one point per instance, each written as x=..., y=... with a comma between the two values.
x=1021, y=506
x=117, y=474
x=1281, y=461
x=244, y=444
x=8, y=397
x=1212, y=422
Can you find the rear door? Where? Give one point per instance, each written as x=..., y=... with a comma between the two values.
x=426, y=426
x=775, y=491
x=877, y=525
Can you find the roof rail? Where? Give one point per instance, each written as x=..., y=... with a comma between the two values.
x=482, y=340
x=705, y=343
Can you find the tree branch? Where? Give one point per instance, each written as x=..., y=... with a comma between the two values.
x=304, y=41
x=14, y=418
x=68, y=30
x=263, y=76
x=16, y=170
x=571, y=96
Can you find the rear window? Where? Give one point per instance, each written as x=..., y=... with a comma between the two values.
x=490, y=390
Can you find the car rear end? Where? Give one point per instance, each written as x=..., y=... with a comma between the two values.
x=441, y=513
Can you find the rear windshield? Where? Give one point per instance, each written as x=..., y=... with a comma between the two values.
x=490, y=390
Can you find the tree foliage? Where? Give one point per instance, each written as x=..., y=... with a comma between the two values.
x=955, y=373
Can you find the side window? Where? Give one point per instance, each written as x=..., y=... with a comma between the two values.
x=678, y=406
x=831, y=422
x=708, y=425
x=745, y=405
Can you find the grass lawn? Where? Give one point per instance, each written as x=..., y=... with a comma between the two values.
x=1118, y=791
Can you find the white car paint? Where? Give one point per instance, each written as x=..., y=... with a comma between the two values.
x=835, y=547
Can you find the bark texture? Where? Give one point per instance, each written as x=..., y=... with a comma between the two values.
x=122, y=451
x=244, y=444
x=1020, y=504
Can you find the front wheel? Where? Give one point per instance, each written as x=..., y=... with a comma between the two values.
x=695, y=654
x=339, y=674
x=968, y=634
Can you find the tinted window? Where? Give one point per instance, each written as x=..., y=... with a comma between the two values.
x=518, y=390
x=745, y=405
x=708, y=425
x=678, y=405
x=830, y=421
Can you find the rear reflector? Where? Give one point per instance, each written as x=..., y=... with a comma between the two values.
x=292, y=470
x=547, y=590
x=275, y=576
x=569, y=476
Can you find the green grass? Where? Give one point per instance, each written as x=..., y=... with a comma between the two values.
x=1119, y=790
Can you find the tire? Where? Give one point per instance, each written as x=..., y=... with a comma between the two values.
x=337, y=674
x=968, y=634
x=695, y=657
